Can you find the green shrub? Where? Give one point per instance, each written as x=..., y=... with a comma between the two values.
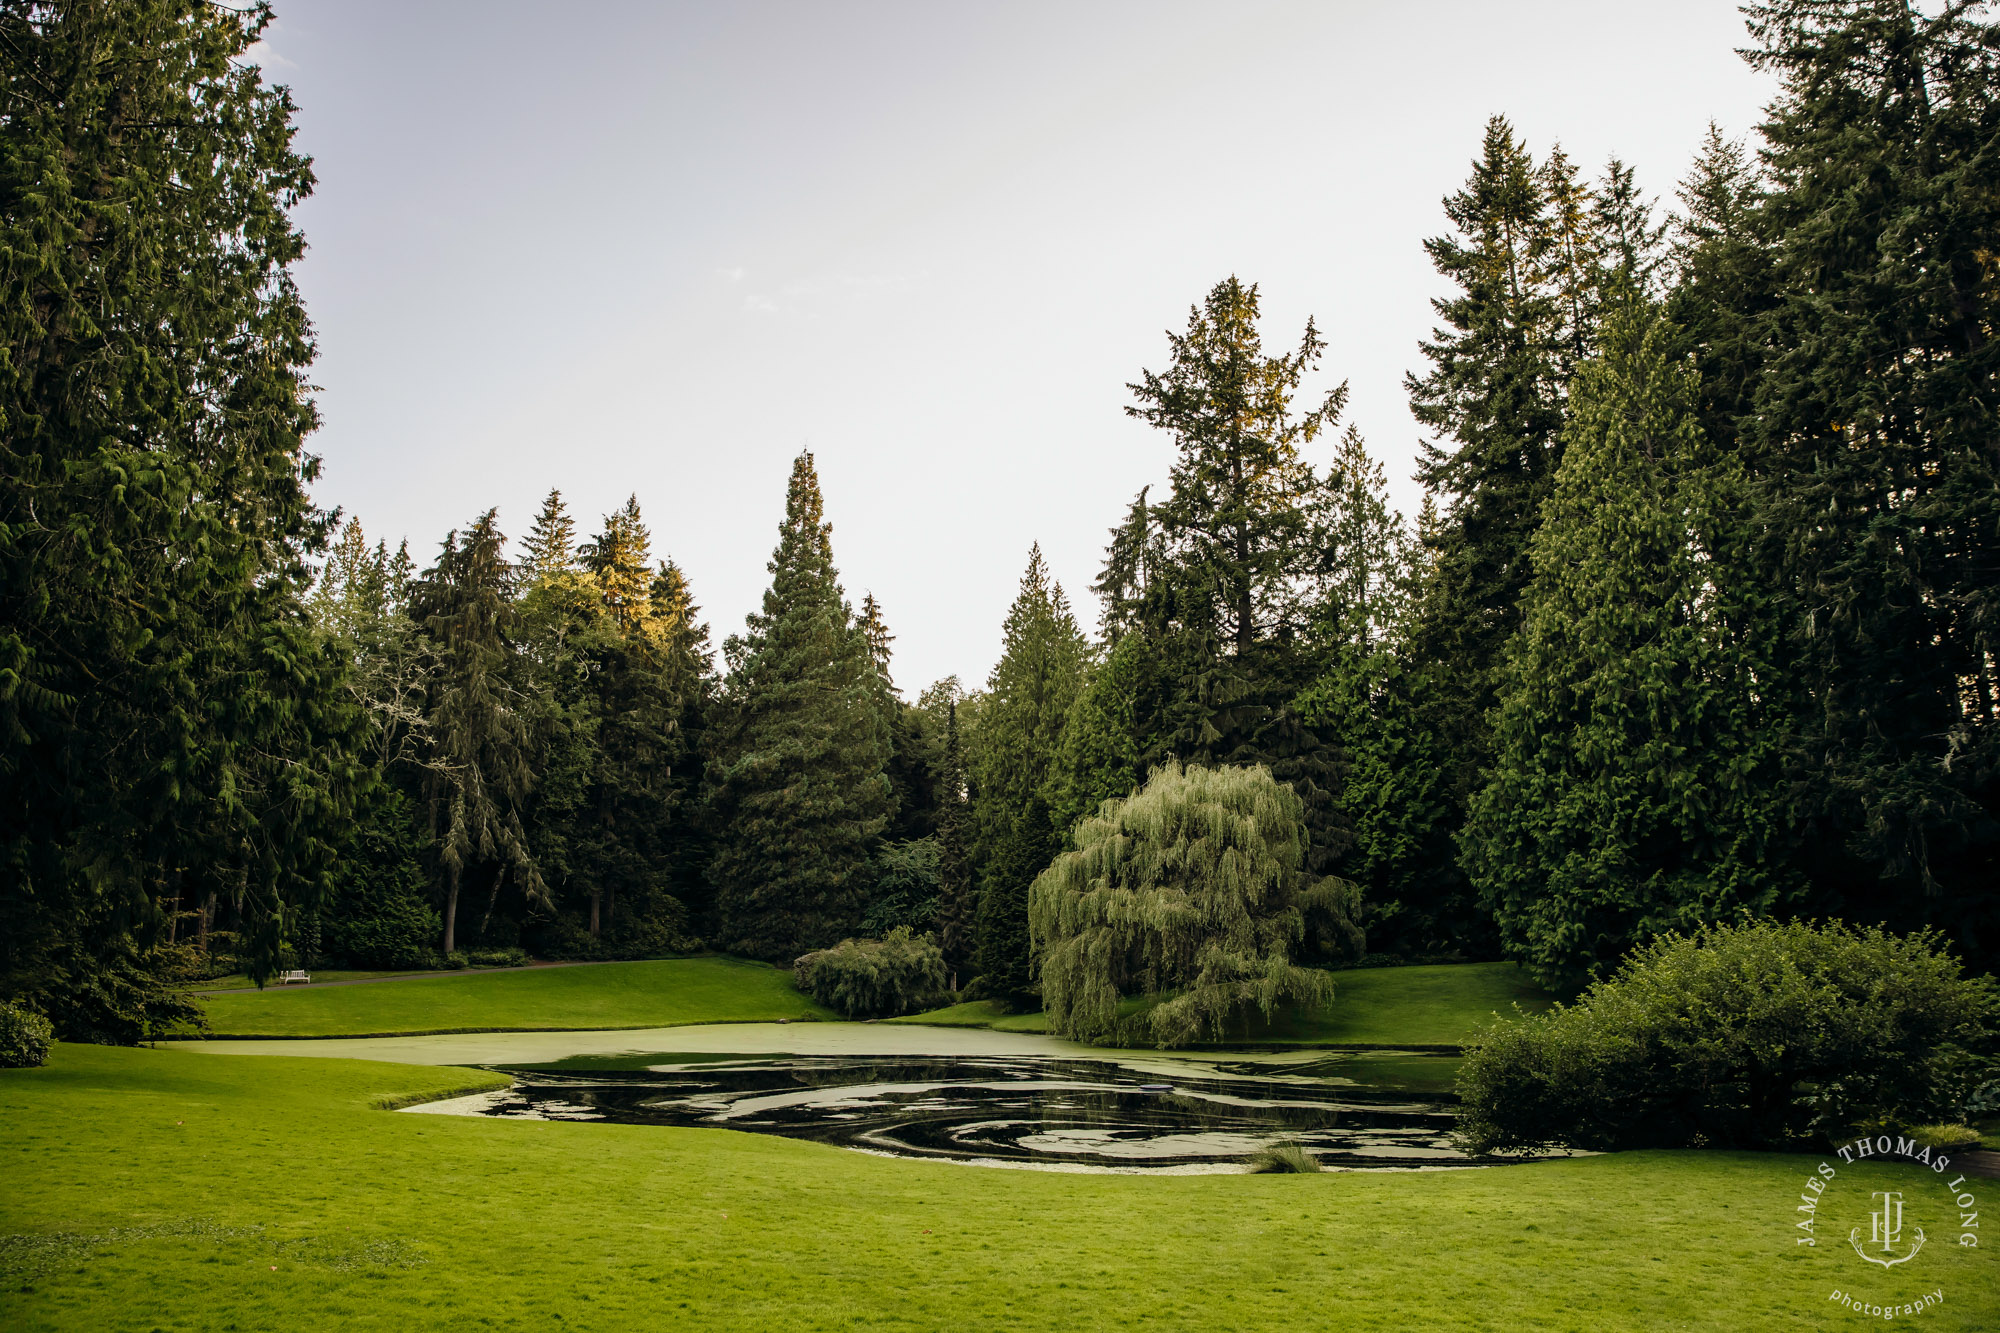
x=498, y=957
x=1762, y=1035
x=898, y=974
x=24, y=1037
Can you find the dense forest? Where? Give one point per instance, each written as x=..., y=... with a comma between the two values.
x=1700, y=616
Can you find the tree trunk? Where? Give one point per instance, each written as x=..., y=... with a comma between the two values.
x=450, y=910
x=499, y=878
x=596, y=900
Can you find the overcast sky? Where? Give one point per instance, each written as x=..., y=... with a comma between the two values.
x=658, y=248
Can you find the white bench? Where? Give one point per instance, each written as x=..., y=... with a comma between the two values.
x=297, y=974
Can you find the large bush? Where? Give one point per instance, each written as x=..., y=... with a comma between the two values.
x=1761, y=1035
x=897, y=974
x=24, y=1037
x=1194, y=885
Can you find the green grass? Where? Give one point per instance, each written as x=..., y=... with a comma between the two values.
x=176, y=1191
x=607, y=995
x=978, y=1014
x=1441, y=1005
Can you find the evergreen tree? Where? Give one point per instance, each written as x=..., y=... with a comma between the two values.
x=911, y=783
x=957, y=901
x=174, y=730
x=1029, y=695
x=1235, y=571
x=1873, y=432
x=1638, y=761
x=1720, y=263
x=797, y=791
x=1103, y=742
x=1121, y=588
x=690, y=678
x=478, y=782
x=619, y=559
x=550, y=549
x=1378, y=701
x=1367, y=584
x=1236, y=530
x=1494, y=396
x=1022, y=851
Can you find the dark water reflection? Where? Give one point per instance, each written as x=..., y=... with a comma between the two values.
x=1025, y=1111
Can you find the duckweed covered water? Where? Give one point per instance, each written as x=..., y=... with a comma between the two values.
x=1354, y=1110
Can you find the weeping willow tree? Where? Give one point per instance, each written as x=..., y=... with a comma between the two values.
x=1195, y=886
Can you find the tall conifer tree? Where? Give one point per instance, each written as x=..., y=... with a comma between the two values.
x=1634, y=790
x=958, y=903
x=797, y=788
x=1875, y=428
x=478, y=782
x=173, y=728
x=1236, y=562
x=1029, y=695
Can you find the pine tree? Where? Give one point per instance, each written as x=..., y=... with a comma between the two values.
x=1873, y=432
x=1720, y=264
x=1494, y=396
x=1236, y=567
x=481, y=773
x=1236, y=528
x=1638, y=760
x=1021, y=851
x=1103, y=744
x=1367, y=584
x=1029, y=695
x=619, y=560
x=797, y=791
x=175, y=731
x=957, y=901
x=550, y=549
x=1378, y=701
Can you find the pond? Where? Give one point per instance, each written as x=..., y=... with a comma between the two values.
x=1115, y=1112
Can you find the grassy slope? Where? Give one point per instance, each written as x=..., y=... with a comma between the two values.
x=1424, y=1006
x=609, y=995
x=538, y=1225
x=1373, y=1006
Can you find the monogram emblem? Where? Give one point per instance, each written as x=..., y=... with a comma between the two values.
x=1885, y=1229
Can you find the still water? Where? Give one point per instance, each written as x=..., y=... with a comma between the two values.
x=1354, y=1110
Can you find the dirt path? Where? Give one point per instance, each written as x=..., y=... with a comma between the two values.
x=400, y=976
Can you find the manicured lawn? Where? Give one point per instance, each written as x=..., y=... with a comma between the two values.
x=978, y=1014
x=260, y=1193
x=1440, y=1005
x=607, y=995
